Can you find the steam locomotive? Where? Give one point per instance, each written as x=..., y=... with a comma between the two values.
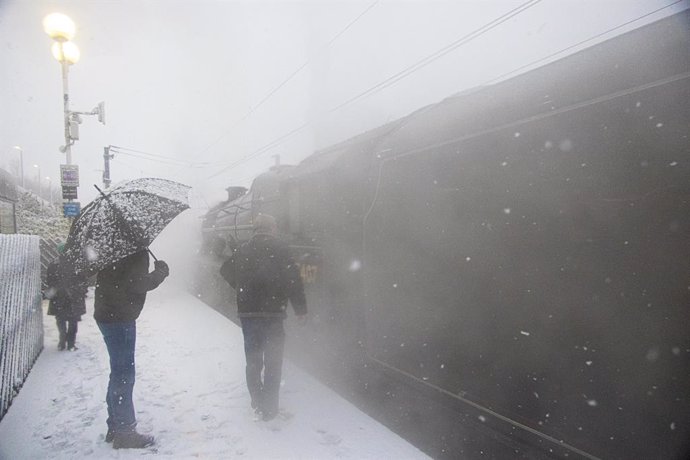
x=511, y=263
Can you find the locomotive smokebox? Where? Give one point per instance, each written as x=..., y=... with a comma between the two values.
x=235, y=192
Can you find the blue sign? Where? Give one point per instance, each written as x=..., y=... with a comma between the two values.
x=71, y=209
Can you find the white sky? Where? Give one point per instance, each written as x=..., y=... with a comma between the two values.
x=180, y=76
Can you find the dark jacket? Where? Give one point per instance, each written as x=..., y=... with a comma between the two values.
x=121, y=288
x=65, y=291
x=265, y=276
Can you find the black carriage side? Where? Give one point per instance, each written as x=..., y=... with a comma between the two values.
x=507, y=270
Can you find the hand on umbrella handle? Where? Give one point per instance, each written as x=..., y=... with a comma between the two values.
x=162, y=267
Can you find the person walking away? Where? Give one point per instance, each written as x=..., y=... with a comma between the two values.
x=66, y=293
x=265, y=277
x=120, y=295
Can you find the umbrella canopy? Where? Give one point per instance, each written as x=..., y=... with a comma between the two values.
x=121, y=222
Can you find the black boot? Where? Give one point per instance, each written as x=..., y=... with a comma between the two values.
x=131, y=440
x=109, y=435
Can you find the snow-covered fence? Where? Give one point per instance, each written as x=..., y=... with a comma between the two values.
x=49, y=253
x=21, y=317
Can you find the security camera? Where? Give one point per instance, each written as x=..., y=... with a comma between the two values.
x=101, y=112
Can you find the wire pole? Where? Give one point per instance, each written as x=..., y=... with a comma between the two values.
x=106, y=166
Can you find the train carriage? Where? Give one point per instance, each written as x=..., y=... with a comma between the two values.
x=519, y=253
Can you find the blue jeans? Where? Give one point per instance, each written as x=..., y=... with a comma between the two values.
x=120, y=339
x=264, y=339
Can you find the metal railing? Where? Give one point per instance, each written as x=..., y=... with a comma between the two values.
x=49, y=253
x=21, y=316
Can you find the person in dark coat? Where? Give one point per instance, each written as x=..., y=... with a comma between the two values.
x=120, y=295
x=265, y=277
x=66, y=293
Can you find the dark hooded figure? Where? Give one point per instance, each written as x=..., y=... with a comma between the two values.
x=264, y=276
x=66, y=293
x=120, y=295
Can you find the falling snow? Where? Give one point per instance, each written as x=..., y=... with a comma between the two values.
x=566, y=145
x=652, y=355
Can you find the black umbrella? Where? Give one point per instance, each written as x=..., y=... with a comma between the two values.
x=121, y=222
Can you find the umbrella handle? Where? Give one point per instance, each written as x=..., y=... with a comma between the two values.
x=101, y=192
x=154, y=257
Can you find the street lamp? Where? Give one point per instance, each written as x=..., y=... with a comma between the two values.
x=61, y=29
x=59, y=26
x=50, y=189
x=21, y=163
x=39, y=179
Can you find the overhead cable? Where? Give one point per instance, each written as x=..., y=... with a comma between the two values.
x=284, y=137
x=286, y=80
x=153, y=157
x=155, y=160
x=261, y=150
x=546, y=58
x=393, y=79
x=438, y=54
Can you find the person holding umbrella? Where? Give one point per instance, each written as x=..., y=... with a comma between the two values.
x=110, y=238
x=120, y=295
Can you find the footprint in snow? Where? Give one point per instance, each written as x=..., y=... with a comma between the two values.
x=329, y=439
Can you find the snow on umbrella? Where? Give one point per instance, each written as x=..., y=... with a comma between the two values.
x=122, y=221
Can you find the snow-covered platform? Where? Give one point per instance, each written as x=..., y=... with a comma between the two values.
x=190, y=394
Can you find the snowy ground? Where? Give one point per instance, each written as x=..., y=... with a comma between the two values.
x=190, y=393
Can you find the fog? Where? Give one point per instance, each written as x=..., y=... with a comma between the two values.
x=210, y=84
x=524, y=235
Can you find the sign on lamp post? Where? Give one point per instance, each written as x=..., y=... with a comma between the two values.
x=69, y=180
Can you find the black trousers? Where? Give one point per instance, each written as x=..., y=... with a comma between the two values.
x=264, y=340
x=67, y=327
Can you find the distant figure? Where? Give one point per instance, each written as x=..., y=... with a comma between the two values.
x=120, y=295
x=264, y=276
x=66, y=293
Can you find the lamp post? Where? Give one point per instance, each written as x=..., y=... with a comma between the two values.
x=39, y=179
x=61, y=29
x=21, y=163
x=50, y=189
